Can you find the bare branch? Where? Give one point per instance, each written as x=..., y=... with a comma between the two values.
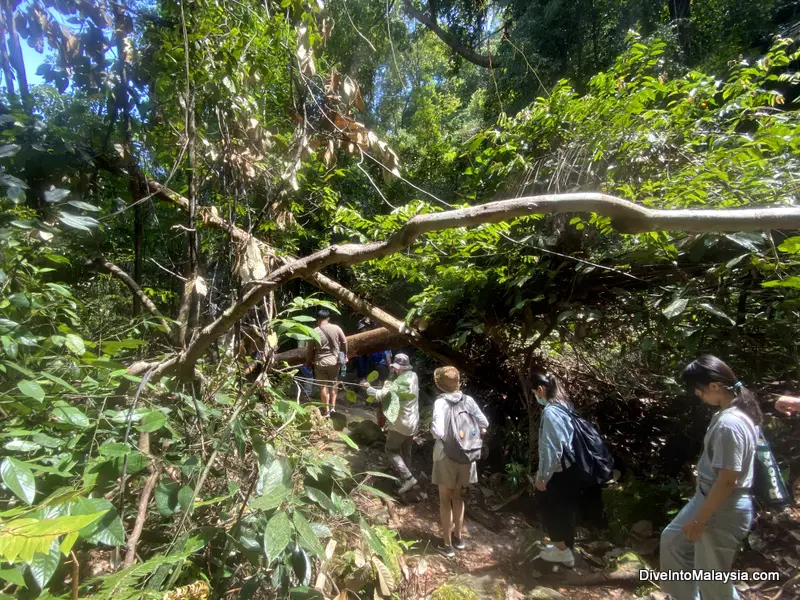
x=627, y=217
x=117, y=272
x=455, y=44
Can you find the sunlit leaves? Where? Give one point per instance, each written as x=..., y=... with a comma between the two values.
x=18, y=476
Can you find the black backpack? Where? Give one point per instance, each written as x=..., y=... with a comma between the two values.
x=588, y=452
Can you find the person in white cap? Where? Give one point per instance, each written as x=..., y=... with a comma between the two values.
x=400, y=437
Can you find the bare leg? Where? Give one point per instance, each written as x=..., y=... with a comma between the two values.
x=332, y=395
x=458, y=512
x=446, y=515
x=323, y=396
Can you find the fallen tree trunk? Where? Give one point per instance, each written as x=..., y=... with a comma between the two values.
x=359, y=344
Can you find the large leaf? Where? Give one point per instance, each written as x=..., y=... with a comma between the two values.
x=9, y=150
x=385, y=578
x=152, y=421
x=108, y=530
x=65, y=413
x=31, y=389
x=277, y=536
x=790, y=282
x=320, y=498
x=274, y=484
x=391, y=407
x=373, y=541
x=19, y=478
x=344, y=505
x=791, y=245
x=56, y=195
x=716, y=312
x=167, y=497
x=675, y=308
x=75, y=344
x=308, y=539
x=78, y=222
x=23, y=538
x=43, y=566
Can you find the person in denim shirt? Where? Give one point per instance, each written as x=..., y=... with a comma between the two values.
x=706, y=534
x=557, y=480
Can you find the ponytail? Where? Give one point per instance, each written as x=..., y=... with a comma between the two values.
x=553, y=388
x=710, y=369
x=746, y=402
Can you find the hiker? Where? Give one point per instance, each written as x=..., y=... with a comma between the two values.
x=458, y=427
x=788, y=405
x=558, y=478
x=400, y=437
x=380, y=362
x=326, y=357
x=363, y=361
x=706, y=534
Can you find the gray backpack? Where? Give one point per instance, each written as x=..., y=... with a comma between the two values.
x=462, y=438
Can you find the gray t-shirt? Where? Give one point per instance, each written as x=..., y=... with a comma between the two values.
x=730, y=443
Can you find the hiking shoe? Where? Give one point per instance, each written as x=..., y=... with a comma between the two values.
x=458, y=543
x=446, y=551
x=554, y=555
x=407, y=485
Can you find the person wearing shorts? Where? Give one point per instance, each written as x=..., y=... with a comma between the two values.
x=449, y=475
x=323, y=356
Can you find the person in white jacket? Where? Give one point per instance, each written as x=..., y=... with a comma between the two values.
x=400, y=437
x=449, y=475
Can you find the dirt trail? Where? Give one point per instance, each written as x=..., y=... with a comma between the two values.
x=496, y=564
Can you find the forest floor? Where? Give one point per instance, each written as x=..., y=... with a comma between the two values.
x=500, y=561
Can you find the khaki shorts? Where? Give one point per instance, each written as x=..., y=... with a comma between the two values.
x=327, y=374
x=453, y=475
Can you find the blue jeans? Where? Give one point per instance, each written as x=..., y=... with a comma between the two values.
x=715, y=551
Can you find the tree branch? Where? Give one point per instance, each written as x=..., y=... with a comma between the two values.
x=626, y=217
x=455, y=44
x=117, y=272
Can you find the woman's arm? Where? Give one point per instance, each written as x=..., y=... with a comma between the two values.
x=788, y=405
x=551, y=445
x=437, y=424
x=723, y=486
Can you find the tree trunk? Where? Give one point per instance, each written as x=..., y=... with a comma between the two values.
x=6, y=64
x=358, y=344
x=17, y=61
x=680, y=13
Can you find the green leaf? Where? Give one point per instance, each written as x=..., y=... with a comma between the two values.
x=277, y=536
x=107, y=530
x=23, y=538
x=78, y=222
x=43, y=566
x=114, y=449
x=56, y=195
x=274, y=484
x=791, y=245
x=31, y=389
x=347, y=440
x=13, y=575
x=675, y=308
x=373, y=376
x=320, y=498
x=716, y=312
x=152, y=421
x=19, y=478
x=351, y=396
x=344, y=505
x=83, y=205
x=185, y=497
x=59, y=381
x=8, y=150
x=373, y=541
x=391, y=407
x=167, y=497
x=374, y=492
x=61, y=290
x=308, y=539
x=790, y=282
x=22, y=446
x=75, y=344
x=65, y=413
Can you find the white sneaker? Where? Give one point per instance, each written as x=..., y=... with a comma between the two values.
x=554, y=555
x=407, y=485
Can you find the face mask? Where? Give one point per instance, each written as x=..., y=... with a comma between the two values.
x=542, y=401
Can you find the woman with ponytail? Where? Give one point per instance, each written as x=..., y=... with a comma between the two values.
x=558, y=481
x=706, y=534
